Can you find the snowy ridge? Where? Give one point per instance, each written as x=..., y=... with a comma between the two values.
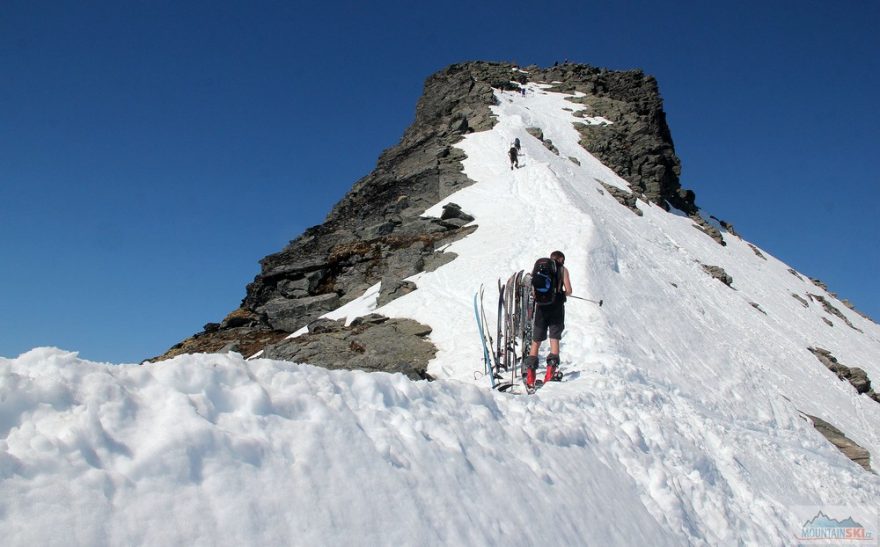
x=679, y=421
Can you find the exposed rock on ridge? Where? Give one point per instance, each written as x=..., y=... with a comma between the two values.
x=637, y=144
x=843, y=443
x=376, y=232
x=857, y=377
x=372, y=343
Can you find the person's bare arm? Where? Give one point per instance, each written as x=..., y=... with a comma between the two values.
x=566, y=281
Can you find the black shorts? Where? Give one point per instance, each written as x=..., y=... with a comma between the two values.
x=550, y=318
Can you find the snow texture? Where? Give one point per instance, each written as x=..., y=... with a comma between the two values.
x=680, y=420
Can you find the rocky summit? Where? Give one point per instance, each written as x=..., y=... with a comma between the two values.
x=378, y=231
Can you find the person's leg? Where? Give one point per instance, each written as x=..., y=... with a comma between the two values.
x=530, y=364
x=540, y=329
x=555, y=334
x=539, y=334
x=552, y=361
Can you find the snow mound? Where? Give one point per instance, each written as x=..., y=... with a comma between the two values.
x=215, y=449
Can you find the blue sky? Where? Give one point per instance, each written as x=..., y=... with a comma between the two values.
x=152, y=152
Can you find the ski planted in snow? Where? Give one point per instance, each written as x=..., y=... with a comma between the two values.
x=487, y=362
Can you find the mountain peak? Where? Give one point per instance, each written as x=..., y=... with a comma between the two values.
x=377, y=231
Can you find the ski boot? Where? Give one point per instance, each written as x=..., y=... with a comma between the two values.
x=530, y=366
x=552, y=366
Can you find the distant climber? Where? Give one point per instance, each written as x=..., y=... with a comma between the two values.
x=514, y=157
x=516, y=144
x=551, y=284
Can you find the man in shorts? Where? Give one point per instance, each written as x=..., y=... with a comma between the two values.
x=549, y=321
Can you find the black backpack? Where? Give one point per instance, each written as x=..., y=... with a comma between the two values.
x=546, y=281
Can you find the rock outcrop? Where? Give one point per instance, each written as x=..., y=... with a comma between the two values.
x=637, y=143
x=856, y=376
x=843, y=443
x=377, y=234
x=627, y=199
x=718, y=273
x=372, y=343
x=831, y=310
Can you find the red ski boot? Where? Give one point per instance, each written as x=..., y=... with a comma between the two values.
x=530, y=378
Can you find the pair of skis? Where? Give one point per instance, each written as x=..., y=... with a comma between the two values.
x=485, y=338
x=513, y=336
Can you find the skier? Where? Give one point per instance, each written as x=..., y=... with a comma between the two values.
x=514, y=161
x=549, y=319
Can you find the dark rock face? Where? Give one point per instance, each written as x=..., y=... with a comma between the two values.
x=829, y=309
x=702, y=225
x=843, y=443
x=244, y=340
x=623, y=197
x=284, y=313
x=718, y=273
x=452, y=212
x=393, y=288
x=373, y=343
x=856, y=376
x=376, y=232
x=637, y=145
x=539, y=134
x=758, y=252
x=728, y=227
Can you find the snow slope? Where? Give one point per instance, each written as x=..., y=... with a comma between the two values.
x=680, y=420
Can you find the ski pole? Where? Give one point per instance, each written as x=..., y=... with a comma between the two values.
x=587, y=299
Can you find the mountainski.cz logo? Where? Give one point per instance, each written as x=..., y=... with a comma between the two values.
x=823, y=528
